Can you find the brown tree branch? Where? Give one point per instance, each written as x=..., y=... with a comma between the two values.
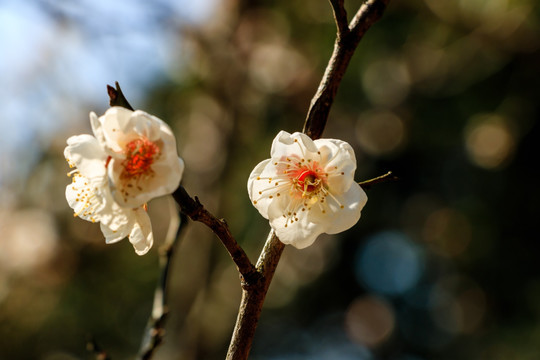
x=340, y=16
x=196, y=211
x=346, y=42
x=253, y=300
x=369, y=13
x=344, y=47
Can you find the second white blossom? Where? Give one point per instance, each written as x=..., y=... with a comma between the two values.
x=307, y=188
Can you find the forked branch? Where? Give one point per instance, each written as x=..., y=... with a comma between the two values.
x=197, y=212
x=347, y=39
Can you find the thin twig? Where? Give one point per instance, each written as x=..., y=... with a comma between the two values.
x=379, y=179
x=155, y=329
x=344, y=47
x=196, y=211
x=370, y=12
x=340, y=16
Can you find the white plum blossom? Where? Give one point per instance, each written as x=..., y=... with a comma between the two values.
x=307, y=188
x=91, y=199
x=143, y=161
x=131, y=159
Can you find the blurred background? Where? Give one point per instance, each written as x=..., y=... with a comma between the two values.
x=442, y=265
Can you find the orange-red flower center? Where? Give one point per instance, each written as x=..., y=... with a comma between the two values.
x=308, y=180
x=140, y=155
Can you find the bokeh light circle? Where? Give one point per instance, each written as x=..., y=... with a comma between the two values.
x=370, y=321
x=389, y=263
x=489, y=141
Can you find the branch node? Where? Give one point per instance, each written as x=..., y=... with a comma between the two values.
x=251, y=280
x=349, y=35
x=340, y=16
x=196, y=211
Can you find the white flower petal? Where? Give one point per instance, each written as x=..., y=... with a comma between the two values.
x=96, y=204
x=339, y=161
x=82, y=198
x=114, y=123
x=284, y=145
x=354, y=200
x=299, y=234
x=97, y=129
x=297, y=227
x=141, y=234
x=254, y=186
x=114, y=215
x=85, y=153
x=113, y=236
x=147, y=125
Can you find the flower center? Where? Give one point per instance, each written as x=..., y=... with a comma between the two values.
x=307, y=182
x=303, y=181
x=140, y=155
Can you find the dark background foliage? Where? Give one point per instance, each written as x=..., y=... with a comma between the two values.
x=443, y=263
